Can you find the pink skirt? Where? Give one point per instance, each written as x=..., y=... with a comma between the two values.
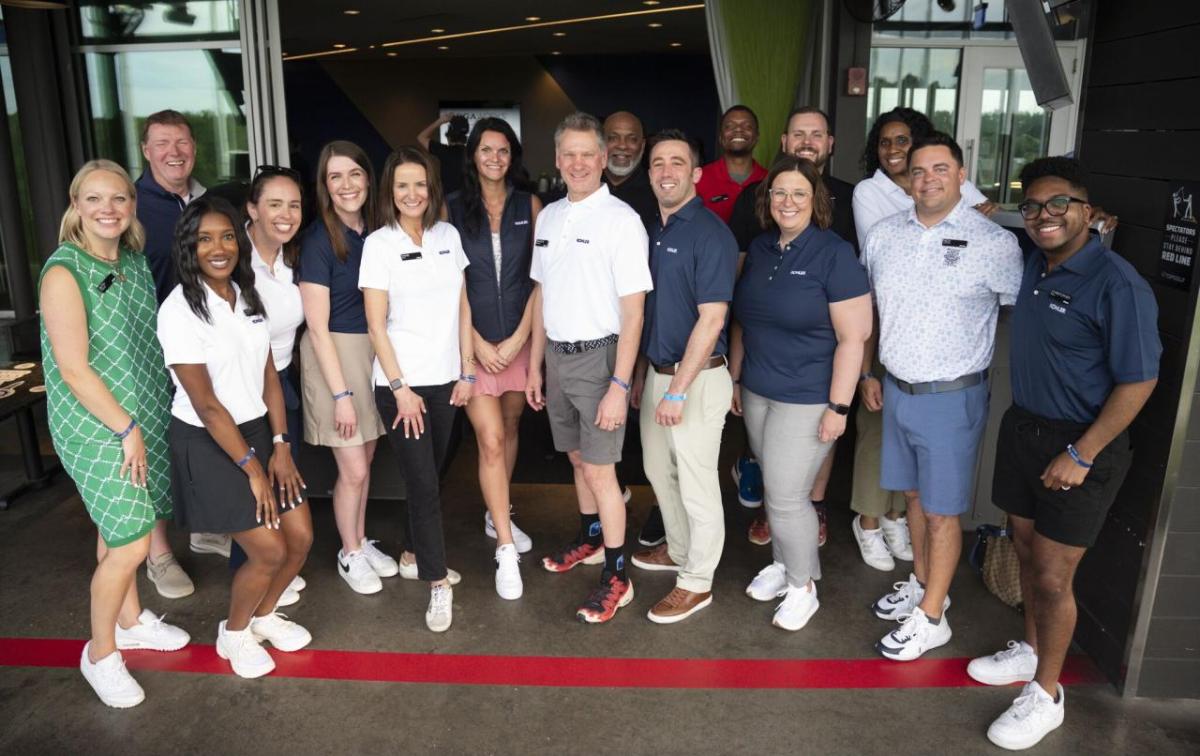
x=512, y=378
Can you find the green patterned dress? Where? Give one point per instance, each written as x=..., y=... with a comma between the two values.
x=124, y=351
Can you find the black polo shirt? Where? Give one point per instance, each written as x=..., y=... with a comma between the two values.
x=745, y=223
x=693, y=261
x=635, y=191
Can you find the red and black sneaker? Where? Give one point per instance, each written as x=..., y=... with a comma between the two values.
x=573, y=554
x=602, y=604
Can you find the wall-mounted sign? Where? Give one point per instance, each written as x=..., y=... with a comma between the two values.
x=1181, y=232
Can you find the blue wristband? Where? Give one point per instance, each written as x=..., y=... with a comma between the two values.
x=465, y=377
x=132, y=424
x=1075, y=456
x=675, y=397
x=246, y=459
x=619, y=382
x=343, y=395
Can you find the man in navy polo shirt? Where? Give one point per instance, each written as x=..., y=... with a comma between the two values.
x=683, y=376
x=1085, y=352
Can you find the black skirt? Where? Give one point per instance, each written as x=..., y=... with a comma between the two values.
x=212, y=494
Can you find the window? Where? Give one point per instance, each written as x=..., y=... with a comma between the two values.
x=925, y=79
x=946, y=19
x=111, y=23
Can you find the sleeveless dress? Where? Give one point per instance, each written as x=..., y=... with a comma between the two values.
x=123, y=350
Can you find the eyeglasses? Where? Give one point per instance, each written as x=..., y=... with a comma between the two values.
x=1054, y=206
x=798, y=195
x=270, y=171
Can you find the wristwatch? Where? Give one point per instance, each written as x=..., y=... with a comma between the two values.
x=397, y=384
x=841, y=409
x=281, y=438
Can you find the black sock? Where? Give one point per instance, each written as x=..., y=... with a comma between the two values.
x=614, y=562
x=589, y=529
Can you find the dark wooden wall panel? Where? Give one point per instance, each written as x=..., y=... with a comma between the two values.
x=1143, y=201
x=1146, y=154
x=1157, y=105
x=1168, y=54
x=1120, y=19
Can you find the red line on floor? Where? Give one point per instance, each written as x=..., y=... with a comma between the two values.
x=550, y=671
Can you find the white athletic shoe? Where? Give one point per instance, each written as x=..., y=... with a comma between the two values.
x=408, y=571
x=1017, y=663
x=152, y=633
x=111, y=681
x=282, y=633
x=798, y=606
x=241, y=648
x=382, y=564
x=521, y=539
x=440, y=613
x=298, y=584
x=210, y=543
x=356, y=571
x=914, y=637
x=288, y=597
x=899, y=541
x=627, y=494
x=905, y=597
x=508, y=572
x=1033, y=715
x=872, y=546
x=769, y=584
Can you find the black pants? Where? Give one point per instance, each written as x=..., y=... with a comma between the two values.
x=421, y=461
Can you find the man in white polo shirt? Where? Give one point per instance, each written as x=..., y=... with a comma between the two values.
x=940, y=273
x=591, y=275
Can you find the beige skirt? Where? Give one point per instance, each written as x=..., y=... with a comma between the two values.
x=356, y=357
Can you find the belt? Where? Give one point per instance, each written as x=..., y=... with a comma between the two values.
x=576, y=347
x=940, y=387
x=715, y=361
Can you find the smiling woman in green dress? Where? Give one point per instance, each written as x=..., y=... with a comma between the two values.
x=108, y=399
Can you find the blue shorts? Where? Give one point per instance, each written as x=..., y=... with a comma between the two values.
x=931, y=445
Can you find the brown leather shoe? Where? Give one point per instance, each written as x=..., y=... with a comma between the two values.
x=678, y=605
x=656, y=558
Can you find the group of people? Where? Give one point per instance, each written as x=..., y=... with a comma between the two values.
x=659, y=285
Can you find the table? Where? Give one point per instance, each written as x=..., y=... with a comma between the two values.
x=21, y=388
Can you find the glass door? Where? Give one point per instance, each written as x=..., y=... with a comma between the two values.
x=1001, y=127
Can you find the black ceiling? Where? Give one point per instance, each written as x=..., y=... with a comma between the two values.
x=315, y=26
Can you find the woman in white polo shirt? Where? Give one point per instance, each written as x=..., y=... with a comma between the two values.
x=228, y=474
x=420, y=326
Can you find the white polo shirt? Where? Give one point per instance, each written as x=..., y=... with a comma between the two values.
x=939, y=290
x=587, y=255
x=233, y=347
x=424, y=284
x=281, y=297
x=877, y=197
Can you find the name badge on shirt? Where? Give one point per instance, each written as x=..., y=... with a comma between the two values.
x=954, y=242
x=718, y=198
x=1058, y=296
x=542, y=243
x=410, y=256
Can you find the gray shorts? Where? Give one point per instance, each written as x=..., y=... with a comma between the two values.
x=575, y=385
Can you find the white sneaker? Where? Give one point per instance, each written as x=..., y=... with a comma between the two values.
x=298, y=584
x=872, y=546
x=899, y=541
x=288, y=597
x=210, y=543
x=440, y=613
x=798, y=606
x=283, y=634
x=627, y=494
x=408, y=571
x=356, y=571
x=241, y=648
x=152, y=633
x=382, y=564
x=521, y=539
x=905, y=597
x=111, y=681
x=1032, y=716
x=508, y=572
x=770, y=583
x=1017, y=663
x=914, y=637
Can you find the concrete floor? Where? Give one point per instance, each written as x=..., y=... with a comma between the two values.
x=45, y=561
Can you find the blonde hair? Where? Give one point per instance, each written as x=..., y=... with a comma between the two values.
x=71, y=228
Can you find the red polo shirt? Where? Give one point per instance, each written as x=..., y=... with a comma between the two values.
x=719, y=191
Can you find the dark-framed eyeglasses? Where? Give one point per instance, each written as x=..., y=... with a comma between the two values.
x=270, y=171
x=1054, y=206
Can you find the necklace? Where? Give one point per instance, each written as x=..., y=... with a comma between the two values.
x=115, y=263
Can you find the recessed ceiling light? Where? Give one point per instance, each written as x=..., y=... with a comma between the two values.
x=533, y=18
x=443, y=47
x=351, y=12
x=339, y=45
x=651, y=2
x=560, y=34
x=392, y=54
x=676, y=44
x=654, y=25
x=438, y=30
x=556, y=52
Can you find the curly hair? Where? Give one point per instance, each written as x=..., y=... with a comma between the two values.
x=1065, y=168
x=187, y=264
x=918, y=125
x=472, y=194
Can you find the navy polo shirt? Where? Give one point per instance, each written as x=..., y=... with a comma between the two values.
x=693, y=261
x=319, y=265
x=159, y=210
x=782, y=303
x=1076, y=332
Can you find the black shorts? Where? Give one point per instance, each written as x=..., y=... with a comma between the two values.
x=1025, y=446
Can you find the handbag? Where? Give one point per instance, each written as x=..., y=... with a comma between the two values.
x=995, y=557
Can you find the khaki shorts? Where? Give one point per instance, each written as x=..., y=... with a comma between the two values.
x=575, y=385
x=357, y=359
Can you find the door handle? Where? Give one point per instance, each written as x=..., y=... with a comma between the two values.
x=971, y=158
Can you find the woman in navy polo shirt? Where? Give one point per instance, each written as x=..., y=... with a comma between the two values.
x=495, y=221
x=803, y=312
x=336, y=353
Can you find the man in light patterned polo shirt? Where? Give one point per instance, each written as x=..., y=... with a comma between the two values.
x=940, y=273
